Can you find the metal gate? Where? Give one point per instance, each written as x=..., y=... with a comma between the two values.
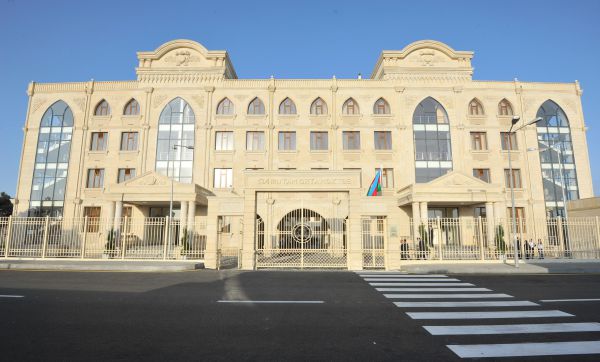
x=229, y=241
x=293, y=231
x=374, y=241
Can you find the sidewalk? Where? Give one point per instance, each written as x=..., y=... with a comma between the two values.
x=100, y=265
x=525, y=267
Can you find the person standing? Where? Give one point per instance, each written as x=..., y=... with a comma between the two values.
x=540, y=247
x=403, y=249
x=531, y=249
x=421, y=246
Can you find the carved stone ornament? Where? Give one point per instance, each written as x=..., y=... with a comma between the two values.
x=158, y=99
x=80, y=103
x=37, y=103
x=427, y=57
x=182, y=58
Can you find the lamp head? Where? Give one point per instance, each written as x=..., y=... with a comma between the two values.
x=515, y=119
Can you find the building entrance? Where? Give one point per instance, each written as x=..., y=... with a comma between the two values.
x=301, y=230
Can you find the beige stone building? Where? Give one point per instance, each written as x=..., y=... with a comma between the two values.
x=281, y=167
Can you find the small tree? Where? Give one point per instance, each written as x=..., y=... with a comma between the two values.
x=499, y=239
x=424, y=233
x=110, y=247
x=6, y=206
x=185, y=243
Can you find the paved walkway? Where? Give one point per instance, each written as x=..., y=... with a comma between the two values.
x=101, y=265
x=529, y=267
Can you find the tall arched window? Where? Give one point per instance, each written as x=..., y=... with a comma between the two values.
x=132, y=108
x=287, y=107
x=102, y=109
x=256, y=107
x=381, y=106
x=51, y=161
x=350, y=107
x=475, y=108
x=318, y=107
x=433, y=149
x=505, y=108
x=225, y=107
x=176, y=127
x=559, y=174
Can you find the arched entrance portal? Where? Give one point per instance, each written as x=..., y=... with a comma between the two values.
x=301, y=230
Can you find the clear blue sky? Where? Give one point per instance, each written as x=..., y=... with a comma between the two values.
x=59, y=41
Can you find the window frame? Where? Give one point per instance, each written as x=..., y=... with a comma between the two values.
x=516, y=178
x=132, y=108
x=479, y=141
x=291, y=140
x=347, y=137
x=94, y=142
x=129, y=141
x=319, y=141
x=95, y=178
x=387, y=141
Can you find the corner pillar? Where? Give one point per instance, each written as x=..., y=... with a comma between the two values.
x=416, y=215
x=354, y=253
x=210, y=253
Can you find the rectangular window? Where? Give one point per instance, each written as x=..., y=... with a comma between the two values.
x=287, y=141
x=129, y=141
x=482, y=173
x=387, y=178
x=479, y=141
x=223, y=178
x=319, y=141
x=520, y=218
x=383, y=140
x=509, y=141
x=516, y=178
x=351, y=140
x=224, y=141
x=99, y=141
x=255, y=141
x=125, y=174
x=95, y=178
x=93, y=215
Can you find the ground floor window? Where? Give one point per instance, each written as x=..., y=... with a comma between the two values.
x=93, y=215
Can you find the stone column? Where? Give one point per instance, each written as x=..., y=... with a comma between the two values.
x=416, y=215
x=424, y=213
x=210, y=254
x=248, y=248
x=118, y=215
x=109, y=216
x=491, y=225
x=191, y=218
x=183, y=214
x=354, y=237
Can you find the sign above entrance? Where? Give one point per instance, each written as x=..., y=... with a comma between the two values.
x=302, y=180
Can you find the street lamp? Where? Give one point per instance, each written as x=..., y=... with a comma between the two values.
x=175, y=147
x=514, y=121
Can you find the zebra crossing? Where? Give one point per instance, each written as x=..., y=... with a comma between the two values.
x=448, y=299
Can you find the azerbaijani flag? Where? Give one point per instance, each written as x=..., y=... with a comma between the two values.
x=375, y=188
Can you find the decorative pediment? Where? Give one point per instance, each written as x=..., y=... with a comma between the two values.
x=457, y=179
x=148, y=179
x=182, y=60
x=424, y=60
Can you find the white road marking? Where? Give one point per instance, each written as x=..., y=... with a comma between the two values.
x=410, y=280
x=422, y=289
x=489, y=315
x=421, y=284
x=569, y=300
x=11, y=296
x=447, y=296
x=526, y=349
x=273, y=301
x=512, y=329
x=402, y=276
x=460, y=304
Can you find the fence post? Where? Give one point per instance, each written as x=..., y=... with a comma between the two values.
x=84, y=242
x=561, y=241
x=45, y=240
x=481, y=236
x=439, y=227
x=123, y=238
x=165, y=237
x=9, y=232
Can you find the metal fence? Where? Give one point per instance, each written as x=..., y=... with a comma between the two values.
x=469, y=238
x=97, y=238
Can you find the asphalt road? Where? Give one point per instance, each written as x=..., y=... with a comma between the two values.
x=186, y=316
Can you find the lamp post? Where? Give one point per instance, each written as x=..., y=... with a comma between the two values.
x=175, y=147
x=514, y=121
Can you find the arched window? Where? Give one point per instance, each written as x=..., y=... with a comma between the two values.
x=318, y=107
x=559, y=175
x=381, y=106
x=225, y=107
x=132, y=108
x=433, y=149
x=350, y=107
x=475, y=108
x=504, y=108
x=102, y=109
x=256, y=107
x=51, y=161
x=287, y=107
x=175, y=133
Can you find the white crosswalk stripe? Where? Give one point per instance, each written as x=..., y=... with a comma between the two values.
x=433, y=292
x=461, y=304
x=447, y=296
x=512, y=328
